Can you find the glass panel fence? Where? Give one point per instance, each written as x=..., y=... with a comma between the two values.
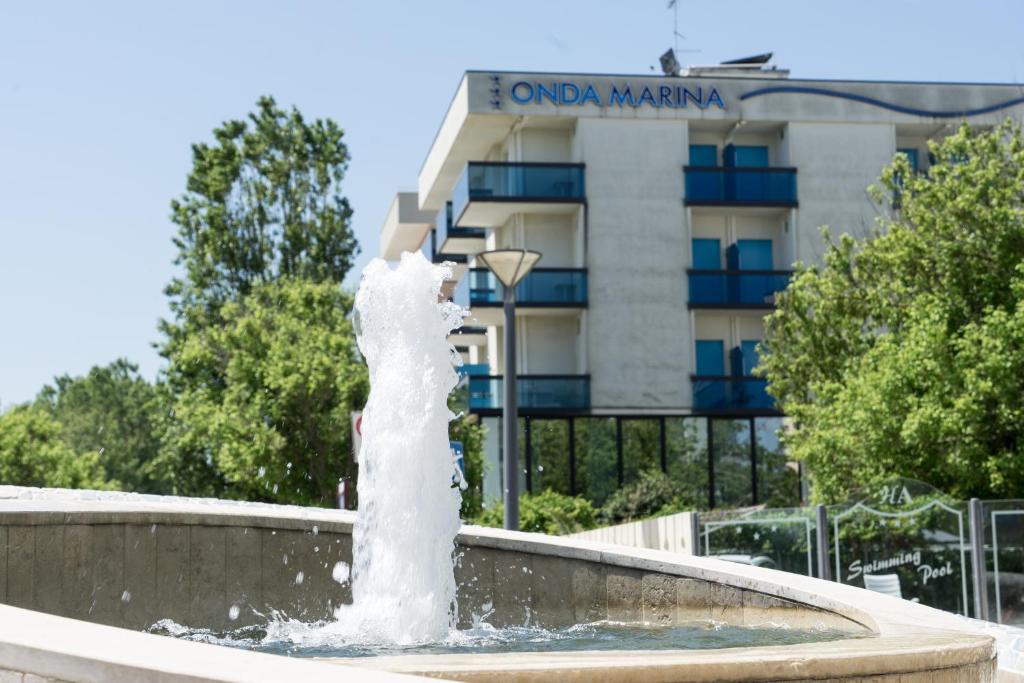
x=781, y=538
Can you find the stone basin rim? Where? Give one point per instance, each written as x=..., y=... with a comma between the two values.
x=909, y=639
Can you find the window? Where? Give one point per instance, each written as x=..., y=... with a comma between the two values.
x=911, y=154
x=686, y=455
x=641, y=448
x=730, y=445
x=596, y=458
x=710, y=357
x=745, y=156
x=748, y=351
x=703, y=155
x=754, y=255
x=549, y=456
x=707, y=254
x=778, y=483
x=750, y=255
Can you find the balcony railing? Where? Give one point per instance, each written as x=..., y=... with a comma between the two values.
x=451, y=240
x=471, y=369
x=731, y=393
x=736, y=288
x=740, y=186
x=551, y=287
x=517, y=182
x=534, y=392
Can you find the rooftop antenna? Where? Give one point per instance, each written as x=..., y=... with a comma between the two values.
x=676, y=35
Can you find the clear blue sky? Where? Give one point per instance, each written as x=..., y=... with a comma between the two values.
x=99, y=103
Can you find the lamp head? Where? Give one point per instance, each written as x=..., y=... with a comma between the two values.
x=510, y=266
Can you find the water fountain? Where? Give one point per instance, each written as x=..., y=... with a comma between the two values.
x=530, y=607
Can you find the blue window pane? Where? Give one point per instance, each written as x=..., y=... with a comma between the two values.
x=710, y=357
x=754, y=255
x=911, y=155
x=749, y=352
x=751, y=255
x=746, y=156
x=707, y=254
x=703, y=155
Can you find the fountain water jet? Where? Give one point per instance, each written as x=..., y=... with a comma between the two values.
x=403, y=582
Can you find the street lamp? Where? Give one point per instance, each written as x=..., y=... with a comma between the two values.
x=510, y=266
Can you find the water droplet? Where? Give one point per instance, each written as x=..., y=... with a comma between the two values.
x=261, y=471
x=152, y=529
x=540, y=468
x=299, y=578
x=340, y=573
x=233, y=612
x=316, y=530
x=126, y=597
x=284, y=558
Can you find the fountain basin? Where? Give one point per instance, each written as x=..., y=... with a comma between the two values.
x=128, y=561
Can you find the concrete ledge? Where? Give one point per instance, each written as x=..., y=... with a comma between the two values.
x=192, y=560
x=59, y=649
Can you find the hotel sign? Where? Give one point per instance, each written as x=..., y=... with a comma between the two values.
x=571, y=93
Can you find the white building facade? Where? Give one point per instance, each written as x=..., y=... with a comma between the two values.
x=668, y=210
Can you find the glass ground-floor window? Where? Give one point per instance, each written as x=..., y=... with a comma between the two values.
x=714, y=461
x=642, y=447
x=732, y=465
x=597, y=457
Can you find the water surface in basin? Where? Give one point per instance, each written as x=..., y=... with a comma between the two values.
x=316, y=640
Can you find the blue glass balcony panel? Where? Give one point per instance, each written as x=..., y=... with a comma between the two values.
x=534, y=392
x=553, y=287
x=736, y=288
x=451, y=239
x=740, y=186
x=469, y=369
x=517, y=181
x=737, y=393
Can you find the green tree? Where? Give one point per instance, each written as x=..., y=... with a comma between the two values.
x=263, y=202
x=32, y=453
x=114, y=412
x=273, y=420
x=264, y=241
x=546, y=513
x=903, y=354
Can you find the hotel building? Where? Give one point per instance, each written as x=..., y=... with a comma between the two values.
x=669, y=211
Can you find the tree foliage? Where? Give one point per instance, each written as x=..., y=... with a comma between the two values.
x=652, y=493
x=115, y=413
x=33, y=453
x=546, y=513
x=903, y=354
x=263, y=202
x=262, y=363
x=268, y=415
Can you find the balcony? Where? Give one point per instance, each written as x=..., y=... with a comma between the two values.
x=732, y=394
x=740, y=186
x=472, y=369
x=539, y=393
x=736, y=288
x=452, y=242
x=488, y=193
x=542, y=288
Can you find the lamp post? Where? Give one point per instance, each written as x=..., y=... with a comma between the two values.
x=510, y=266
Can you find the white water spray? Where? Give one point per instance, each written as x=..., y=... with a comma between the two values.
x=403, y=582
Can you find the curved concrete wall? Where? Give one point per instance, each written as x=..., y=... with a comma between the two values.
x=130, y=564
